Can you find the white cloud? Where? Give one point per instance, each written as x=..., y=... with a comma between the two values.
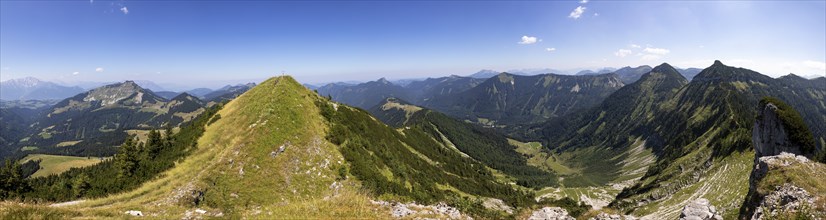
x=583, y=1
x=650, y=57
x=528, y=40
x=75, y=73
x=550, y=49
x=658, y=51
x=124, y=10
x=596, y=14
x=99, y=69
x=815, y=64
x=634, y=46
x=577, y=12
x=622, y=53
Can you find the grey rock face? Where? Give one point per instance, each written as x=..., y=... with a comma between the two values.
x=769, y=136
x=551, y=213
x=763, y=164
x=785, y=199
x=700, y=209
x=606, y=216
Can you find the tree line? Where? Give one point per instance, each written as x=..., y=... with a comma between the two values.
x=135, y=163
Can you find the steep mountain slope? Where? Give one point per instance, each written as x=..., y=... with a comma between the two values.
x=510, y=98
x=705, y=130
x=32, y=88
x=92, y=123
x=424, y=92
x=364, y=95
x=782, y=184
x=482, y=144
x=280, y=150
x=13, y=127
x=612, y=128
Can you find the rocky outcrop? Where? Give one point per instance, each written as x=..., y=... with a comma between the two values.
x=416, y=211
x=551, y=213
x=769, y=135
x=700, y=209
x=497, y=204
x=781, y=176
x=783, y=199
x=606, y=216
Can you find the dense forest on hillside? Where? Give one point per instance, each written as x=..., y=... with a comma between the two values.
x=135, y=163
x=387, y=163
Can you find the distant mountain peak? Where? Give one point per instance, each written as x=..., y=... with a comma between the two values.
x=111, y=94
x=25, y=81
x=484, y=74
x=383, y=81
x=718, y=63
x=664, y=67
x=30, y=88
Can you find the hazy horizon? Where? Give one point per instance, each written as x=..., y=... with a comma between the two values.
x=209, y=44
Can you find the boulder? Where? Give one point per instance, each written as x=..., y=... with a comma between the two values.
x=134, y=213
x=551, y=213
x=700, y=209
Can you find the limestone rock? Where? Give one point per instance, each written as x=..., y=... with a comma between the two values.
x=769, y=135
x=497, y=204
x=699, y=209
x=606, y=216
x=551, y=213
x=785, y=199
x=134, y=213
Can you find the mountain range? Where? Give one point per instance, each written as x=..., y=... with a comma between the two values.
x=661, y=146
x=30, y=88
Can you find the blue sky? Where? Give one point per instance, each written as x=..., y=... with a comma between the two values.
x=217, y=42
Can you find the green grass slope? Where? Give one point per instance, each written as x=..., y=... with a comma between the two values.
x=281, y=151
x=56, y=164
x=706, y=129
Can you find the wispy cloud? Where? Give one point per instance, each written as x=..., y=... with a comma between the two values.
x=634, y=46
x=577, y=12
x=550, y=49
x=99, y=69
x=528, y=40
x=658, y=51
x=75, y=73
x=583, y=1
x=124, y=10
x=622, y=53
x=815, y=64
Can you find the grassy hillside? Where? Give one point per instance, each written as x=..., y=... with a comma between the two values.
x=56, y=164
x=237, y=169
x=276, y=152
x=706, y=128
